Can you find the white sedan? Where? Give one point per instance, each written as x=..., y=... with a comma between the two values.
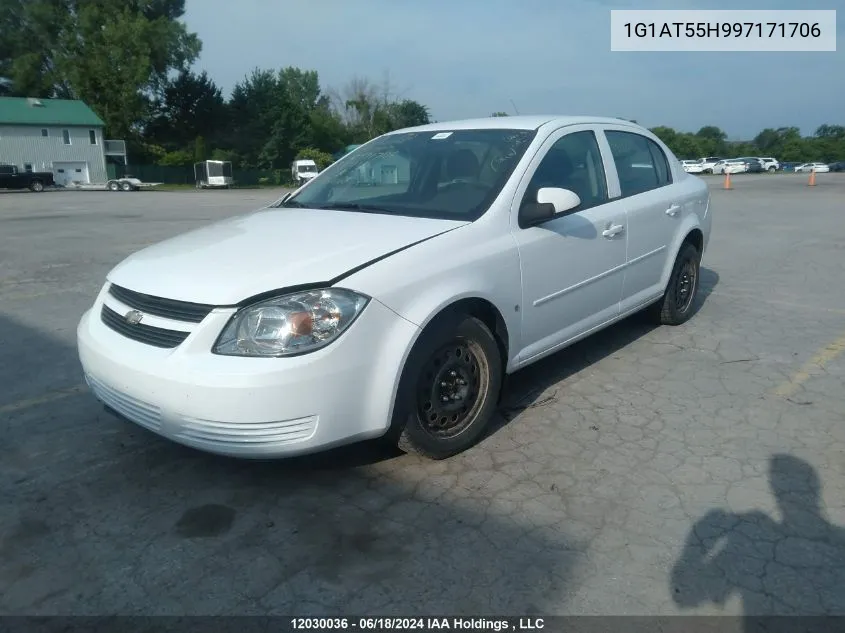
x=345, y=312
x=730, y=166
x=819, y=168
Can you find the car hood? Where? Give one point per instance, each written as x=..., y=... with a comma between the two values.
x=230, y=261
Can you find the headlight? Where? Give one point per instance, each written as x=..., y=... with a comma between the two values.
x=290, y=324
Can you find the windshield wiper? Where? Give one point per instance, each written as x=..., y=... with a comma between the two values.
x=356, y=206
x=291, y=204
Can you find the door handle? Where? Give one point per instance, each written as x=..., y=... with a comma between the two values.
x=613, y=229
x=673, y=210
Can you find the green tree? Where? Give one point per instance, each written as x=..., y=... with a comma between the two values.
x=200, y=149
x=322, y=159
x=179, y=157
x=189, y=106
x=112, y=55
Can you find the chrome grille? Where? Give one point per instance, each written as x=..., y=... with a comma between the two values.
x=158, y=306
x=155, y=336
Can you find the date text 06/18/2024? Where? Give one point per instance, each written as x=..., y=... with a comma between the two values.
x=417, y=624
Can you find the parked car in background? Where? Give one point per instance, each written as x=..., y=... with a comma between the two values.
x=837, y=166
x=770, y=164
x=12, y=178
x=753, y=165
x=819, y=168
x=688, y=165
x=704, y=165
x=395, y=311
x=729, y=166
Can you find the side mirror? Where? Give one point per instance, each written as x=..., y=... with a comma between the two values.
x=563, y=200
x=551, y=202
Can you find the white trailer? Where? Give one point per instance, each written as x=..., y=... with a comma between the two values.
x=213, y=173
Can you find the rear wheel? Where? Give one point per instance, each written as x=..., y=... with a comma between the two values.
x=113, y=186
x=449, y=388
x=126, y=186
x=678, y=301
x=37, y=186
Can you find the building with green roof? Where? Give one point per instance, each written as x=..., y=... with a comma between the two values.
x=59, y=135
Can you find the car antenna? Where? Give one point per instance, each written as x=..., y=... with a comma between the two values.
x=514, y=107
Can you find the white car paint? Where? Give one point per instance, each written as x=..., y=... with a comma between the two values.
x=819, y=168
x=730, y=166
x=703, y=165
x=770, y=164
x=550, y=285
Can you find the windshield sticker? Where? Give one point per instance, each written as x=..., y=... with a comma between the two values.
x=440, y=136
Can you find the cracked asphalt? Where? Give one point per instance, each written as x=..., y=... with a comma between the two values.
x=696, y=469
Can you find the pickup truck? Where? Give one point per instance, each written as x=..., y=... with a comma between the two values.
x=11, y=178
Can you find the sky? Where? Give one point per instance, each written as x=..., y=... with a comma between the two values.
x=469, y=58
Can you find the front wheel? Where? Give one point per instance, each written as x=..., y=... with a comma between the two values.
x=678, y=301
x=449, y=388
x=37, y=186
x=772, y=170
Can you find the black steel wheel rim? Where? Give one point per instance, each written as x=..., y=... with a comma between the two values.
x=451, y=388
x=685, y=285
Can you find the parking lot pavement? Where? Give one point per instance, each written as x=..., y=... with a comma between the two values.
x=615, y=465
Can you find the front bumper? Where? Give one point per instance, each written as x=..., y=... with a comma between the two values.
x=250, y=407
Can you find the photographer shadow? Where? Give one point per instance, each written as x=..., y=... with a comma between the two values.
x=795, y=566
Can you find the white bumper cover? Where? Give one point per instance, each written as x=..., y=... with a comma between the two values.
x=250, y=407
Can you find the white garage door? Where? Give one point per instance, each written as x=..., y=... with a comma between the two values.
x=66, y=173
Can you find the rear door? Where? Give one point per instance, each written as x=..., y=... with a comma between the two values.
x=645, y=183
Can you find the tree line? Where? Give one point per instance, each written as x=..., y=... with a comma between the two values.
x=130, y=60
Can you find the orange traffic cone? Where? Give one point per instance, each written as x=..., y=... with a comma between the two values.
x=812, y=182
x=728, y=180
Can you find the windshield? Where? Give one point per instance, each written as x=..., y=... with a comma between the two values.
x=449, y=175
x=307, y=168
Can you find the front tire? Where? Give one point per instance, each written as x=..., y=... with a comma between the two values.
x=37, y=186
x=678, y=301
x=449, y=388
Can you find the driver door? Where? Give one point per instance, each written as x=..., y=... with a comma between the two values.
x=572, y=266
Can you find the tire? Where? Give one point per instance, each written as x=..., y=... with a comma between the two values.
x=126, y=186
x=677, y=306
x=113, y=186
x=772, y=170
x=456, y=358
x=37, y=186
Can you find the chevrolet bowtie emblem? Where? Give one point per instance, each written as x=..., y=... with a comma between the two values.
x=133, y=317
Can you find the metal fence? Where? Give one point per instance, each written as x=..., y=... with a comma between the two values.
x=184, y=175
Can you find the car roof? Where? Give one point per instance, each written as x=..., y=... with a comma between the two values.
x=521, y=122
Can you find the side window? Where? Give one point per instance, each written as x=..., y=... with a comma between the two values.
x=574, y=163
x=640, y=163
x=661, y=164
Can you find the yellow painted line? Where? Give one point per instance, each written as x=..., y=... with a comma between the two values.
x=50, y=396
x=816, y=363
